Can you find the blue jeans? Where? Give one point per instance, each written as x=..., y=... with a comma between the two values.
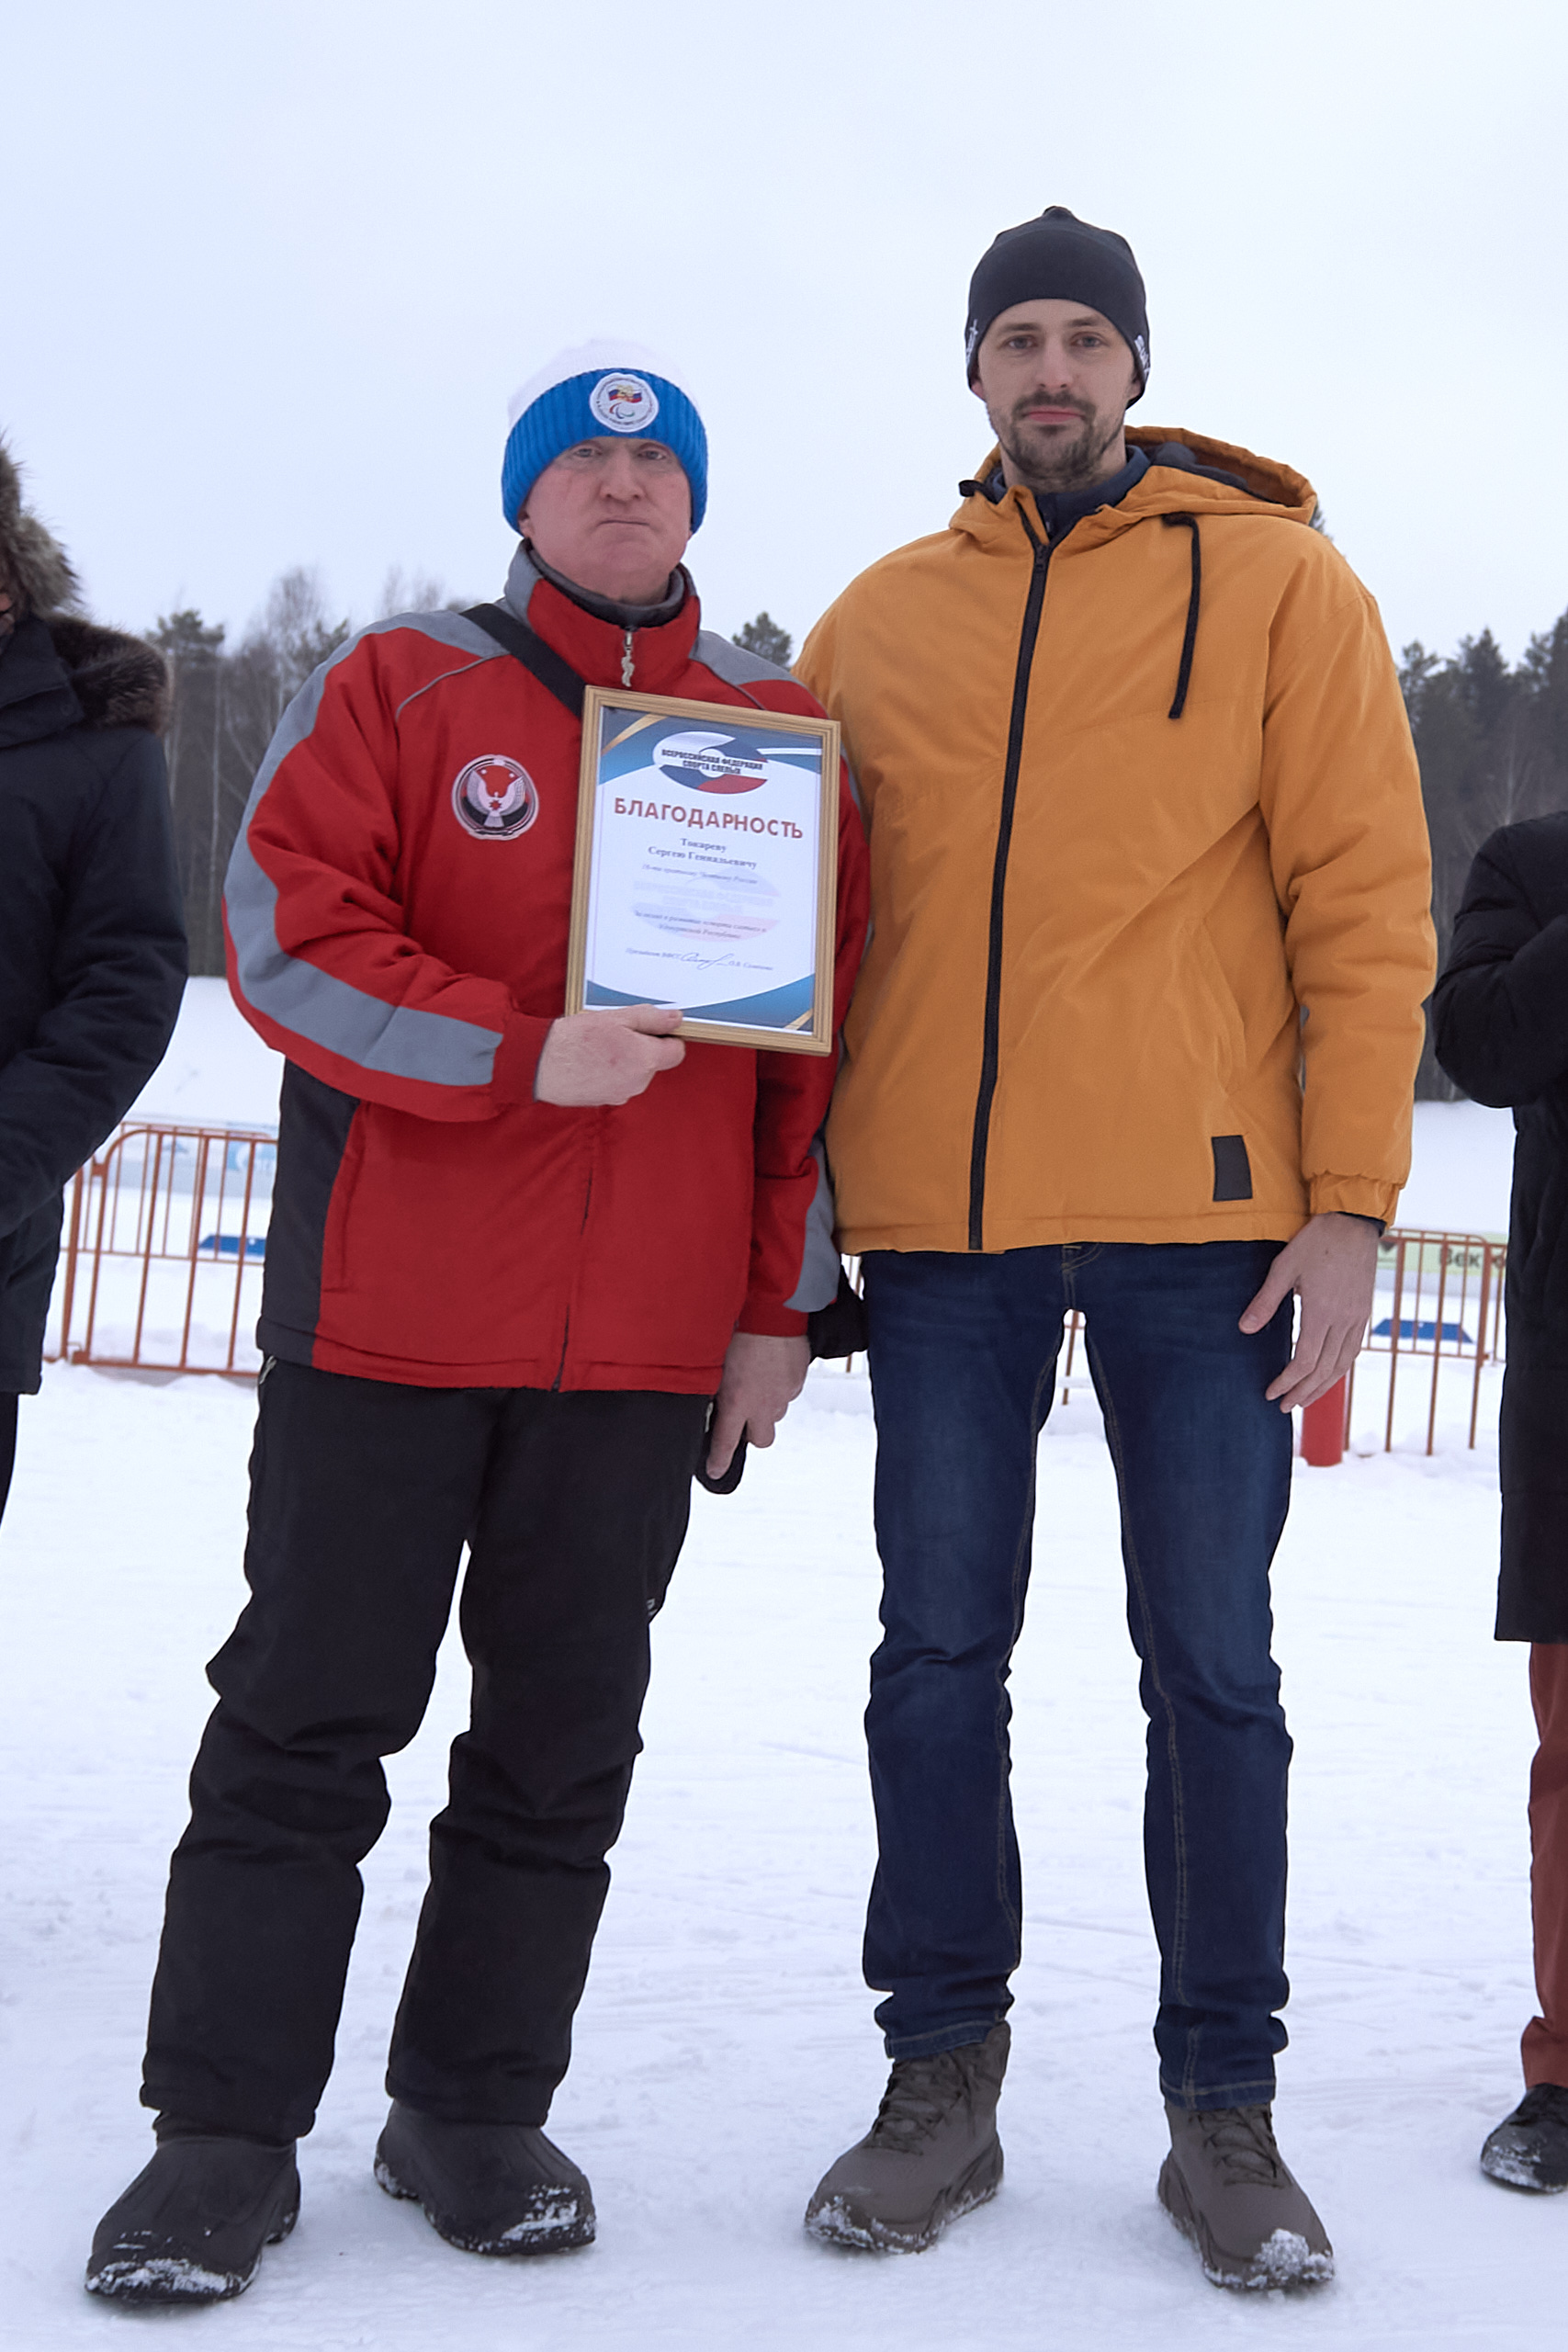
x=962, y=1362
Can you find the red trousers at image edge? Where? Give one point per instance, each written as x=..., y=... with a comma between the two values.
x=1545, y=2045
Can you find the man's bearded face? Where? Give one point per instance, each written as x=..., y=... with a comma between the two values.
x=1056, y=380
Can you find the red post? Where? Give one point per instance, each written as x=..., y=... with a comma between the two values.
x=1322, y=1428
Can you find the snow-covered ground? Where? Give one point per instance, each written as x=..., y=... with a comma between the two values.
x=725, y=2049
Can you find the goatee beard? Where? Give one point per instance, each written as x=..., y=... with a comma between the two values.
x=1074, y=466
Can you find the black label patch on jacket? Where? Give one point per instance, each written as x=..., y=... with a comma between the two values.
x=1232, y=1169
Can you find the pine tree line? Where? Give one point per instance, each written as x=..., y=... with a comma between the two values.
x=224, y=709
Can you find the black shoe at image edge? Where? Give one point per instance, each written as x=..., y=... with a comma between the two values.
x=1529, y=2148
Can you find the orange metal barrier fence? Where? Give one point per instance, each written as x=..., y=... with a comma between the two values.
x=1439, y=1302
x=165, y=1232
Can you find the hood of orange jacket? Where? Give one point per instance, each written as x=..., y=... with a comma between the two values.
x=1149, y=872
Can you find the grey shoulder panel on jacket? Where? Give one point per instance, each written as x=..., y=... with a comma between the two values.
x=445, y=627
x=298, y=995
x=733, y=664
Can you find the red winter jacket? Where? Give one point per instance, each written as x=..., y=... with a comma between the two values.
x=431, y=1223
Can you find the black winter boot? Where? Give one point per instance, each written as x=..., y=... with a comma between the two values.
x=1529, y=2148
x=487, y=2188
x=191, y=2227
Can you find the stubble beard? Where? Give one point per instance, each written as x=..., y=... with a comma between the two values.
x=1073, y=463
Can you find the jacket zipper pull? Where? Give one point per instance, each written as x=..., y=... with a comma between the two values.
x=627, y=660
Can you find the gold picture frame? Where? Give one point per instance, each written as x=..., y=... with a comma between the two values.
x=677, y=902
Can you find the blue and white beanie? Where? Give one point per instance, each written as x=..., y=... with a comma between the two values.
x=594, y=389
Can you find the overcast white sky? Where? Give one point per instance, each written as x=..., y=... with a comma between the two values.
x=272, y=267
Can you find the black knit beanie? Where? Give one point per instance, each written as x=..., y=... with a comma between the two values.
x=1061, y=258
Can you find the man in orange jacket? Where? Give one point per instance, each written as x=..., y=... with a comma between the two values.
x=1135, y=1034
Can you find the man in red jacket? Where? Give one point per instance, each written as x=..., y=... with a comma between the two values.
x=513, y=1259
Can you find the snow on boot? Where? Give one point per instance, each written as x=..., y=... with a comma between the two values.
x=1227, y=2187
x=190, y=2229
x=1529, y=2148
x=931, y=2154
x=487, y=2188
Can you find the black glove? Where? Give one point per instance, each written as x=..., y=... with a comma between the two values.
x=729, y=1478
x=840, y=1328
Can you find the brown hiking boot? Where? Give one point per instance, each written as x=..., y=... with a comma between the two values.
x=932, y=2154
x=1227, y=2187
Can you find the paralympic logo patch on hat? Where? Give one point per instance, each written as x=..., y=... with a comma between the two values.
x=625, y=402
x=494, y=799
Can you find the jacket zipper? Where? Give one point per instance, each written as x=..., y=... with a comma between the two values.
x=565, y=1327
x=627, y=659
x=1034, y=605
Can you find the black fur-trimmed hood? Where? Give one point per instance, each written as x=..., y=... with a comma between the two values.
x=35, y=571
x=118, y=680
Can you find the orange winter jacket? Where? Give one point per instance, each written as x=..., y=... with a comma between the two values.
x=1149, y=873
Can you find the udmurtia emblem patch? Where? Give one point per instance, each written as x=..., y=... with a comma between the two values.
x=495, y=798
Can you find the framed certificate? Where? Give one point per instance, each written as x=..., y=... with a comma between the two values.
x=706, y=875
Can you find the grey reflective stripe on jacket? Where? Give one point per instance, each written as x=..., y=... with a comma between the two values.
x=819, y=1260
x=299, y=996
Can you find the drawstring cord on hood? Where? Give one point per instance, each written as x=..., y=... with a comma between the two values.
x=1195, y=598
x=1195, y=593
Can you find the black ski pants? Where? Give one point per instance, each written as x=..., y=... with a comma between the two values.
x=362, y=1493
